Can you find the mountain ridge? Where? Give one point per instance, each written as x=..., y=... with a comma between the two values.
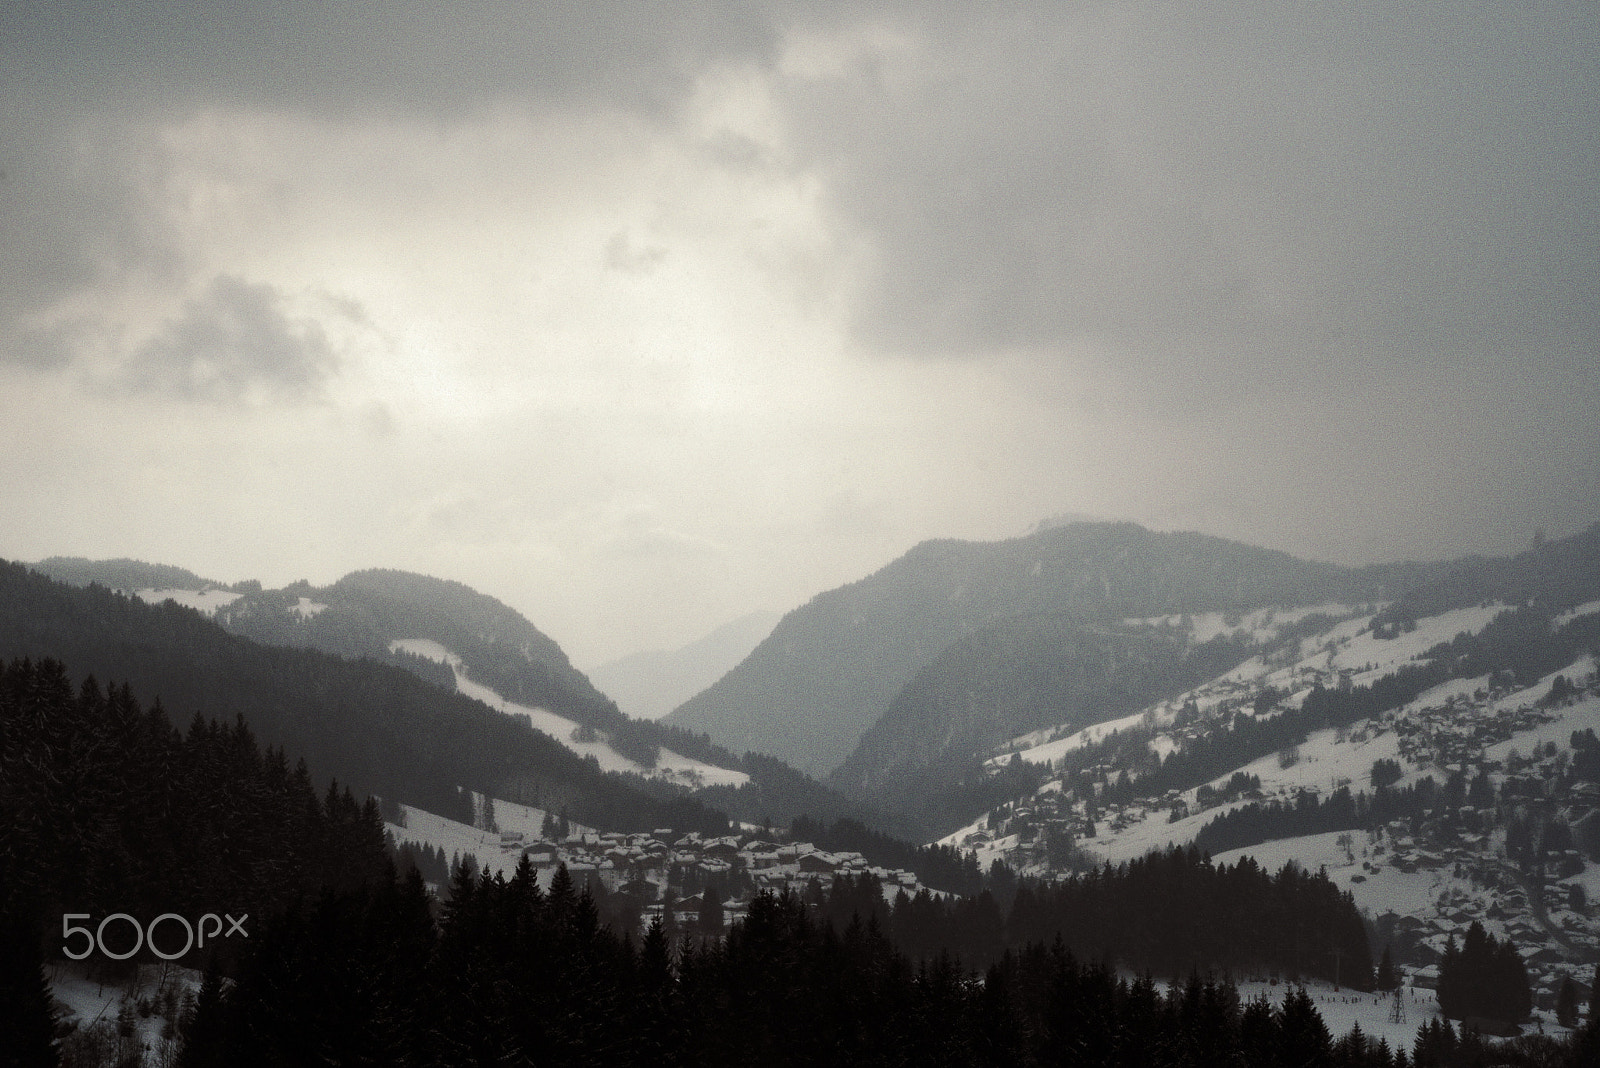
x=831, y=667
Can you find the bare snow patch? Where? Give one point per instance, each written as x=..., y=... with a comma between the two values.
x=206, y=602
x=426, y=648
x=1588, y=608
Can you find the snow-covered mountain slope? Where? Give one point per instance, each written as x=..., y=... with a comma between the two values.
x=583, y=740
x=1490, y=801
x=832, y=669
x=1345, y=653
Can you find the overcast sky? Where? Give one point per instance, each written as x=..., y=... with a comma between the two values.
x=642, y=316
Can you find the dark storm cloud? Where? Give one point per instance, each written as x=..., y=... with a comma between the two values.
x=386, y=54
x=1410, y=174
x=1370, y=226
x=233, y=343
x=1254, y=175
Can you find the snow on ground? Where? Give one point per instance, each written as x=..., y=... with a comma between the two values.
x=1047, y=752
x=1442, y=694
x=1351, y=647
x=1583, y=714
x=1342, y=1009
x=1324, y=763
x=88, y=1002
x=1324, y=653
x=1386, y=890
x=1385, y=654
x=1151, y=832
x=85, y=999
x=1589, y=879
x=1588, y=608
x=452, y=838
x=206, y=602
x=1259, y=626
x=307, y=608
x=673, y=767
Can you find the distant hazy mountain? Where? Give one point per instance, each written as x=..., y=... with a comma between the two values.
x=831, y=668
x=650, y=684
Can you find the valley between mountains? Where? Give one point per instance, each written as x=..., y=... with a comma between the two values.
x=974, y=717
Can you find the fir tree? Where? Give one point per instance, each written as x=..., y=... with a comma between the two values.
x=1567, y=1003
x=1387, y=979
x=1304, y=1037
x=205, y=1028
x=27, y=1013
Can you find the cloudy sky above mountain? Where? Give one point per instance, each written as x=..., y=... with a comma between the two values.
x=641, y=316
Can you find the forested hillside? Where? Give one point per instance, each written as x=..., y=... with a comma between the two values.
x=374, y=726
x=376, y=614
x=1007, y=679
x=121, y=574
x=831, y=668
x=366, y=612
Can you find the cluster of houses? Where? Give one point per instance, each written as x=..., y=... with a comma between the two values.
x=1452, y=736
x=678, y=875
x=1535, y=901
x=1537, y=904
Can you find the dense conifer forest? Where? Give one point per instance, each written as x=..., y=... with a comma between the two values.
x=110, y=808
x=511, y=974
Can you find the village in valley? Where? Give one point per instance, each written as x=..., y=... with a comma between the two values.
x=1493, y=811
x=694, y=883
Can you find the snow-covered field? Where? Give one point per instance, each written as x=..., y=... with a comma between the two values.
x=1038, y=751
x=1371, y=657
x=1387, y=890
x=452, y=838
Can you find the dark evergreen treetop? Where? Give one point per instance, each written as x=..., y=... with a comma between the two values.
x=1484, y=979
x=111, y=809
